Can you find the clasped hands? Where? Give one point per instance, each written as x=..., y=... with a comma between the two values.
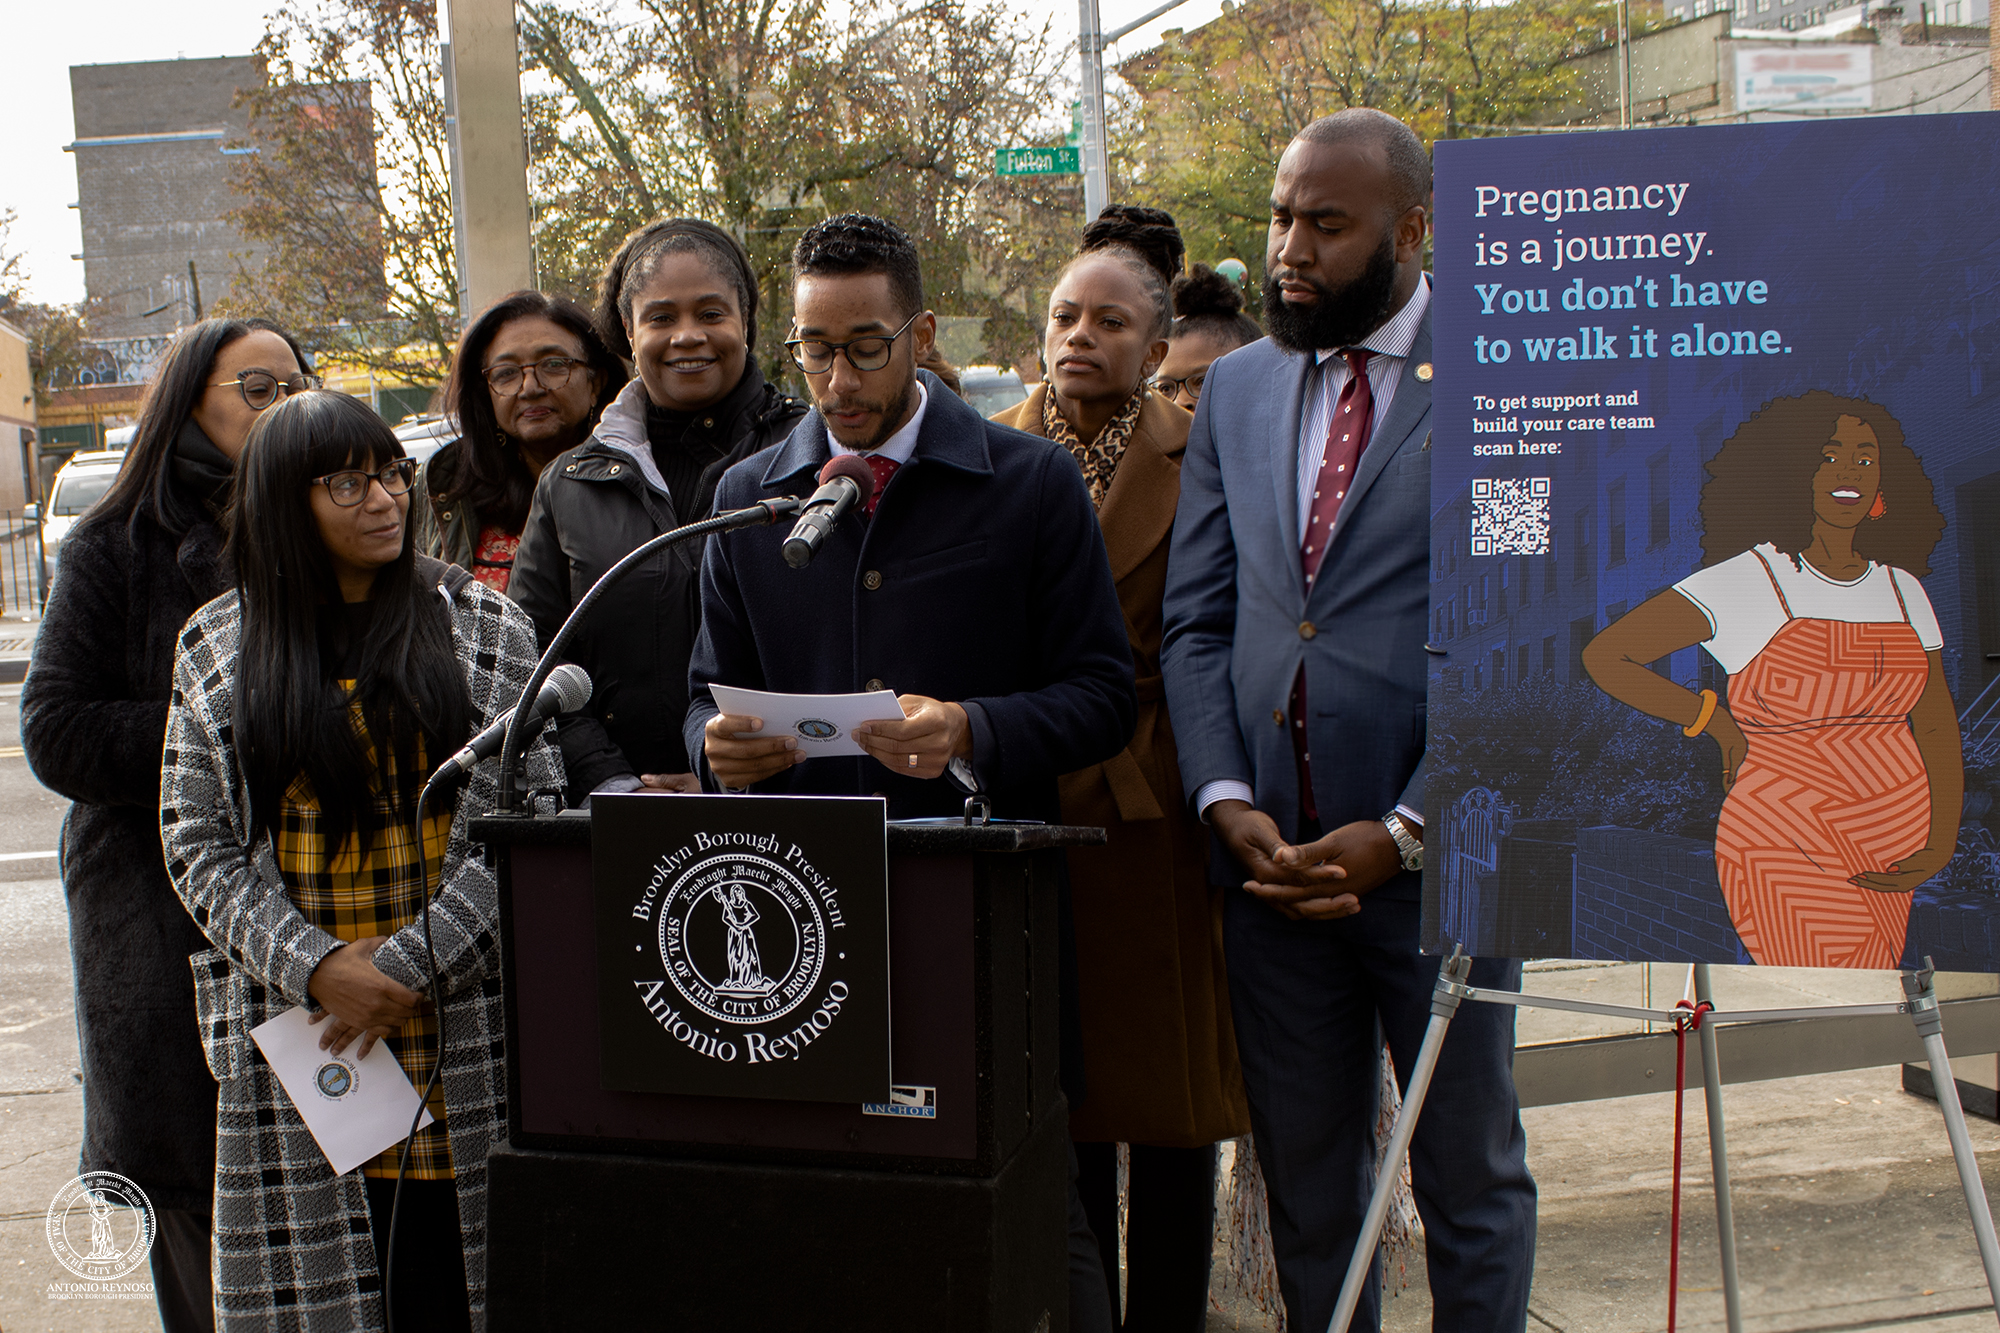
x=930, y=732
x=1319, y=881
x=357, y=999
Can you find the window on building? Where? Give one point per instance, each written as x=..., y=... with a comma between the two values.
x=1548, y=654
x=1763, y=6
x=1954, y=11
x=1521, y=664
x=1614, y=524
x=1525, y=580
x=1614, y=613
x=1549, y=568
x=1580, y=548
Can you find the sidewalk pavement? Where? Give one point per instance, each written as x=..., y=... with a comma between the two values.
x=1848, y=1208
x=17, y=645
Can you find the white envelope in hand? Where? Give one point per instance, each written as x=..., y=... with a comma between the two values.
x=354, y=1108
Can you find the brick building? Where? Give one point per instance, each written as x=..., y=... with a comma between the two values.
x=155, y=141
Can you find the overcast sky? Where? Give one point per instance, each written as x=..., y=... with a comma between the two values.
x=38, y=179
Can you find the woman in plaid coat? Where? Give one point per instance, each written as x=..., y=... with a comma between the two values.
x=307, y=709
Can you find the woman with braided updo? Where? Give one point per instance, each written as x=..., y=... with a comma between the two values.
x=1159, y=1050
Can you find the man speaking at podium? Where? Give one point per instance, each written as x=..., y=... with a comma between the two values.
x=973, y=582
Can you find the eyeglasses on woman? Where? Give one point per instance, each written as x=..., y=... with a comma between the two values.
x=551, y=372
x=260, y=388
x=350, y=486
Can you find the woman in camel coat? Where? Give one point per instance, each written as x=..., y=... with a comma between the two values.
x=1158, y=1047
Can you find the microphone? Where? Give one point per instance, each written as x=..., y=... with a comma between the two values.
x=566, y=690
x=844, y=482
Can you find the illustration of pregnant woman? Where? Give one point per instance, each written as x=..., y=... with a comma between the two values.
x=1840, y=744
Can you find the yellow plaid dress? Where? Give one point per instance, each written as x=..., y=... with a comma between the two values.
x=354, y=898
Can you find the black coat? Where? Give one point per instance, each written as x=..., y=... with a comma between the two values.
x=592, y=507
x=981, y=580
x=93, y=722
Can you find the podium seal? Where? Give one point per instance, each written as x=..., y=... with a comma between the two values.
x=742, y=937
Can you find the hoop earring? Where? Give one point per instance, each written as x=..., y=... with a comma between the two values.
x=1879, y=508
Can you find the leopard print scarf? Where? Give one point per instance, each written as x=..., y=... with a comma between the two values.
x=1099, y=458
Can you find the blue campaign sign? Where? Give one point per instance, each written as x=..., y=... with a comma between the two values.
x=1716, y=545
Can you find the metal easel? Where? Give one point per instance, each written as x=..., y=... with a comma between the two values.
x=1920, y=1003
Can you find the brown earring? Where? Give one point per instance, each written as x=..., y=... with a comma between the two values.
x=1879, y=508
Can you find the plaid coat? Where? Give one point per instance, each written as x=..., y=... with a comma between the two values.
x=293, y=1248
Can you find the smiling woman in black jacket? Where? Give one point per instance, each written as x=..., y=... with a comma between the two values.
x=93, y=721
x=680, y=302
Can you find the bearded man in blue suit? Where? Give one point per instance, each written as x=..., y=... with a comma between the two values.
x=1298, y=593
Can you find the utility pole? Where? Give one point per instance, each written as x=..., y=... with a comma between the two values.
x=1096, y=161
x=194, y=292
x=1624, y=64
x=490, y=187
x=1091, y=39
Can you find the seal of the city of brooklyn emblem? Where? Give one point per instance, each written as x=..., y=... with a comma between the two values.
x=743, y=938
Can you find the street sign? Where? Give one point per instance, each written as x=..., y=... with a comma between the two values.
x=1037, y=161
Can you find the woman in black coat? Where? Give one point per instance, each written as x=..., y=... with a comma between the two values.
x=680, y=302
x=93, y=722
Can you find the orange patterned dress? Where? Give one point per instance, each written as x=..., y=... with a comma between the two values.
x=1832, y=787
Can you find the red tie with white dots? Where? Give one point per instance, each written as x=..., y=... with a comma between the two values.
x=1346, y=438
x=883, y=468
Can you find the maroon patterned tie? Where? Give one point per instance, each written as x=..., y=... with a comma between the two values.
x=883, y=468
x=1346, y=438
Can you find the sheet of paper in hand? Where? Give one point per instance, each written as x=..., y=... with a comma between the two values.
x=354, y=1108
x=821, y=722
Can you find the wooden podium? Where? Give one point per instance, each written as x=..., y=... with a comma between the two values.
x=611, y=1209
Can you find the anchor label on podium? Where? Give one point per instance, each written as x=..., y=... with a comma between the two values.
x=743, y=945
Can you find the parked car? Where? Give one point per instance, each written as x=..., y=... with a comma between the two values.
x=990, y=389
x=424, y=435
x=79, y=484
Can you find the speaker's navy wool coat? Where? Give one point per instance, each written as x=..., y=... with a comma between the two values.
x=981, y=580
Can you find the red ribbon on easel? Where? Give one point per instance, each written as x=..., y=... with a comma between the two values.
x=1683, y=1024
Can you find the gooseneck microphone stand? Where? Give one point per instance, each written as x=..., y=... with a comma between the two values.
x=763, y=512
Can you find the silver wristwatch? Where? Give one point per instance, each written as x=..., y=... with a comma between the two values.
x=1407, y=843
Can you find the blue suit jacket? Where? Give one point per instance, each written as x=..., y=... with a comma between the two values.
x=991, y=589
x=1239, y=620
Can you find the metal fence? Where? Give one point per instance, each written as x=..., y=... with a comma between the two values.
x=22, y=583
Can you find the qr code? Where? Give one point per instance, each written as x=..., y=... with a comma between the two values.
x=1510, y=516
